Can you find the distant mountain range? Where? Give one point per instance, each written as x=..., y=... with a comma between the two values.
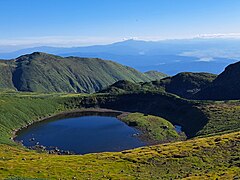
x=169, y=56
x=41, y=72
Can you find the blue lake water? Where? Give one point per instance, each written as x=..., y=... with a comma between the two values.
x=81, y=135
x=178, y=128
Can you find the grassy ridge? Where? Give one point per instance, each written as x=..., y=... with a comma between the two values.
x=187, y=84
x=183, y=84
x=41, y=72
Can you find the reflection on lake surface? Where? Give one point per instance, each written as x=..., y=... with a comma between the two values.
x=81, y=135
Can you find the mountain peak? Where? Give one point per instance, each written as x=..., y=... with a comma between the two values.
x=130, y=42
x=40, y=54
x=34, y=55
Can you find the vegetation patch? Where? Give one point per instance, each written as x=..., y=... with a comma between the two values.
x=155, y=129
x=222, y=117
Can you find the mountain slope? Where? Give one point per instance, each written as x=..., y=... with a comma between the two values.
x=155, y=75
x=122, y=86
x=186, y=84
x=225, y=87
x=183, y=84
x=6, y=75
x=40, y=72
x=202, y=86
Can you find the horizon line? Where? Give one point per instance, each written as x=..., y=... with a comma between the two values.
x=78, y=41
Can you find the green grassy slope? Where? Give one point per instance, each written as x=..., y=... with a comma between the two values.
x=222, y=116
x=156, y=128
x=18, y=111
x=6, y=76
x=122, y=86
x=183, y=84
x=40, y=72
x=187, y=84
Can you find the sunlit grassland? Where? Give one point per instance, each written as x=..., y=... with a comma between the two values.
x=222, y=116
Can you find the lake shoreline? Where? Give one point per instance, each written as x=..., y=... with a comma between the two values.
x=143, y=135
x=66, y=114
x=77, y=113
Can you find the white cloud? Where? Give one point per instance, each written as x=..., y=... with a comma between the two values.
x=205, y=59
x=206, y=55
x=159, y=64
x=178, y=61
x=219, y=35
x=141, y=53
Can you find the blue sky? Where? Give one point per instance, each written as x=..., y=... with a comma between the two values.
x=81, y=22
